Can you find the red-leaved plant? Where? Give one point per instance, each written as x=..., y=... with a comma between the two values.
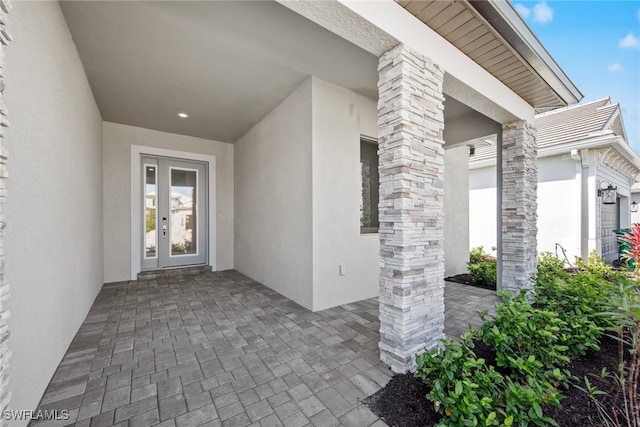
x=632, y=239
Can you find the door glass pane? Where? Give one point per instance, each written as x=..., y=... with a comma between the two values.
x=150, y=211
x=183, y=211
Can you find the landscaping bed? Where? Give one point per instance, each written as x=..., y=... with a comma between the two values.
x=564, y=353
x=466, y=279
x=482, y=271
x=402, y=402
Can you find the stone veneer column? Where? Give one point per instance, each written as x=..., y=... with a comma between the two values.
x=519, y=205
x=411, y=209
x=5, y=395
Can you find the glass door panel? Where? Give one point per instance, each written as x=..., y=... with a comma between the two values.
x=150, y=212
x=174, y=214
x=183, y=216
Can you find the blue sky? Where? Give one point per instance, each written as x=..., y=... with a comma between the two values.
x=597, y=44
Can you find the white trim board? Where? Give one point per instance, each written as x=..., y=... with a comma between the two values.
x=136, y=213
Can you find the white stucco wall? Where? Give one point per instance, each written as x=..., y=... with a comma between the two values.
x=54, y=210
x=456, y=210
x=340, y=117
x=568, y=211
x=559, y=206
x=117, y=142
x=273, y=206
x=482, y=209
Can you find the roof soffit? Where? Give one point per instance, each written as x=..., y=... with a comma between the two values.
x=495, y=37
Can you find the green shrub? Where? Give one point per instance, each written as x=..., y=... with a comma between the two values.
x=550, y=267
x=577, y=299
x=582, y=328
x=482, y=267
x=463, y=388
x=533, y=345
x=483, y=273
x=467, y=392
x=523, y=402
x=478, y=255
x=527, y=340
x=595, y=265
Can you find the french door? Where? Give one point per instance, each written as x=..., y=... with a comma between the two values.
x=174, y=212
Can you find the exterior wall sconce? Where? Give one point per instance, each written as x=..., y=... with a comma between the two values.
x=609, y=194
x=634, y=206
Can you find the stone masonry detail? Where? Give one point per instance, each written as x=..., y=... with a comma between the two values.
x=5, y=395
x=410, y=148
x=519, y=205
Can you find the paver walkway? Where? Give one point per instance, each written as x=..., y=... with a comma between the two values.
x=221, y=349
x=461, y=304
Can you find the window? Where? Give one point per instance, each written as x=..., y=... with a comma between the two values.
x=369, y=186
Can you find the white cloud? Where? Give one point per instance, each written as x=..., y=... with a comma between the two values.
x=629, y=42
x=614, y=67
x=523, y=10
x=542, y=13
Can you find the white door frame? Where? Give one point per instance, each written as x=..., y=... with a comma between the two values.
x=136, y=195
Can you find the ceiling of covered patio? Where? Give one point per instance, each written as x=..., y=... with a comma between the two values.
x=225, y=64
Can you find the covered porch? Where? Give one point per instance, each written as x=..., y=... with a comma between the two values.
x=222, y=348
x=272, y=100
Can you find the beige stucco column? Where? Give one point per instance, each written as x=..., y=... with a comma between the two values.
x=5, y=395
x=519, y=205
x=411, y=125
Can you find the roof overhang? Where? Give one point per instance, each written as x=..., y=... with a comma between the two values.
x=493, y=34
x=504, y=18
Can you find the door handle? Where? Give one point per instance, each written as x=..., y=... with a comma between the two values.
x=164, y=227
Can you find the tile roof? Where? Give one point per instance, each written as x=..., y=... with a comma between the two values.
x=563, y=126
x=573, y=124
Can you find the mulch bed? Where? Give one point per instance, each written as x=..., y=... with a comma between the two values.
x=577, y=409
x=465, y=279
x=402, y=402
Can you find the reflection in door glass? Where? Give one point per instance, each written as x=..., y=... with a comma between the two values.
x=183, y=211
x=150, y=212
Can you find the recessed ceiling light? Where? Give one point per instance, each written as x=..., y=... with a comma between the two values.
x=183, y=115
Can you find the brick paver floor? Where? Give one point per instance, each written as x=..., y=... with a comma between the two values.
x=221, y=349
x=461, y=304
